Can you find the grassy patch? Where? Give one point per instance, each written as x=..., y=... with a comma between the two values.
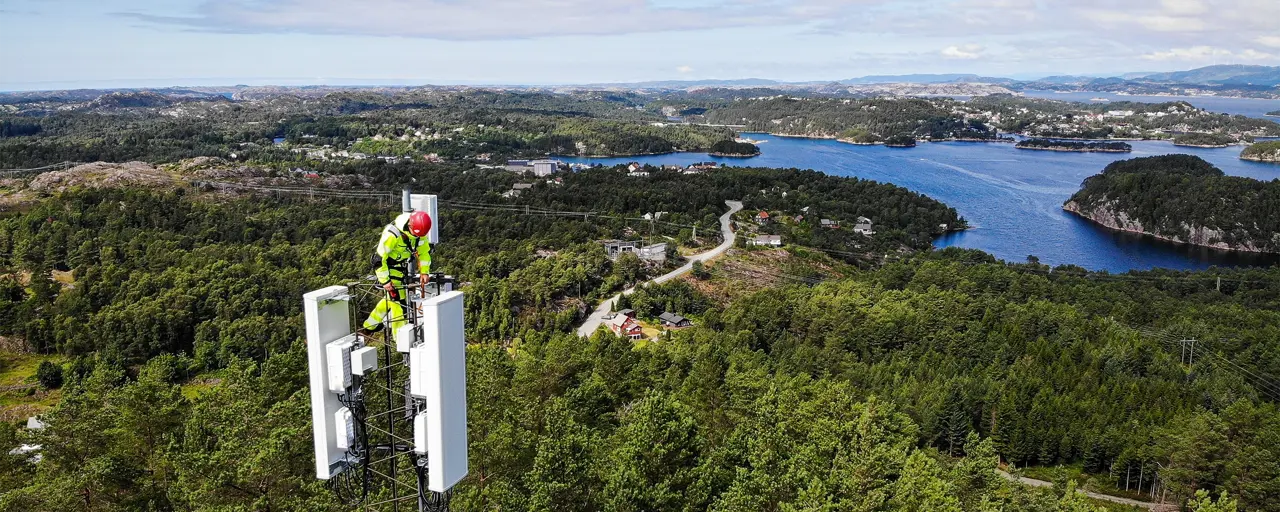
x=20, y=395
x=199, y=386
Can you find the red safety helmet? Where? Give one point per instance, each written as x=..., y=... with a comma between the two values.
x=419, y=224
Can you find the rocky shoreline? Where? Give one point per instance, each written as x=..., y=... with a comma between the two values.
x=1211, y=146
x=1264, y=160
x=1075, y=150
x=1110, y=218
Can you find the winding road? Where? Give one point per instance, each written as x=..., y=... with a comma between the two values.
x=594, y=321
x=1097, y=496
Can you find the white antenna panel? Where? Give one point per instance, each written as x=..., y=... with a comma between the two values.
x=438, y=373
x=339, y=362
x=428, y=203
x=328, y=318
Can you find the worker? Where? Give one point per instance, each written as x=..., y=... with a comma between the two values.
x=404, y=238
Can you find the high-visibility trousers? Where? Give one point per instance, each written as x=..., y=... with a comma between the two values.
x=388, y=311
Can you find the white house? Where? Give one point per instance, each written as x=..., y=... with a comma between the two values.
x=767, y=240
x=863, y=226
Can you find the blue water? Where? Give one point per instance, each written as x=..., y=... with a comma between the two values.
x=1012, y=198
x=1243, y=106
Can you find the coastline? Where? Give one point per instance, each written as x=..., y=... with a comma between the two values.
x=733, y=155
x=1210, y=146
x=1071, y=150
x=1252, y=158
x=1074, y=208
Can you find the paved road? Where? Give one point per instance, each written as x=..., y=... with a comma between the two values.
x=597, y=317
x=1105, y=497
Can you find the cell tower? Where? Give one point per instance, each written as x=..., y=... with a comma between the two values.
x=389, y=433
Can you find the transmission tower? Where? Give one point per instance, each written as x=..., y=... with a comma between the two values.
x=390, y=436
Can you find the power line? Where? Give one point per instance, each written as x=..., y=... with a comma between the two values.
x=63, y=165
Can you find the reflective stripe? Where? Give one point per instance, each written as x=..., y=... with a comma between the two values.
x=395, y=253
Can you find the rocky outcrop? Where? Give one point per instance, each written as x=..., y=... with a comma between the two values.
x=1106, y=214
x=102, y=175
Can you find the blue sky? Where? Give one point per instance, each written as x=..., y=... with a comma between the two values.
x=114, y=43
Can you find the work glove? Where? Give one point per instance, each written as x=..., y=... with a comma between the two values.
x=391, y=290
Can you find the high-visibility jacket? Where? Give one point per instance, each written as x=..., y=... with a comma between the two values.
x=396, y=248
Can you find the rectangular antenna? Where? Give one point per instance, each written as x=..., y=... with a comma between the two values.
x=328, y=320
x=430, y=204
x=439, y=374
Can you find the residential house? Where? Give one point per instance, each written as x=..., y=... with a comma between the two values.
x=674, y=321
x=631, y=313
x=517, y=189
x=762, y=217
x=634, y=166
x=828, y=223
x=767, y=240
x=863, y=226
x=625, y=326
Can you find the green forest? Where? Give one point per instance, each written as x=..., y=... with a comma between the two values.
x=145, y=323
x=1187, y=198
x=1203, y=139
x=1069, y=145
x=1267, y=151
x=733, y=148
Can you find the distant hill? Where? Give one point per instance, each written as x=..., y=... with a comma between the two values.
x=686, y=84
x=1237, y=74
x=1066, y=79
x=925, y=79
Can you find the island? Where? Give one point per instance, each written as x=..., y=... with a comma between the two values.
x=1074, y=146
x=734, y=149
x=1204, y=140
x=1182, y=199
x=901, y=140
x=859, y=136
x=1268, y=151
x=1275, y=113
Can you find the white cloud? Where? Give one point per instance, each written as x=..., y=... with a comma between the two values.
x=1172, y=23
x=1185, y=7
x=1272, y=41
x=493, y=19
x=1251, y=54
x=1192, y=53
x=684, y=69
x=968, y=51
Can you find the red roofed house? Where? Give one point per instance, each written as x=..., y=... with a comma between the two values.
x=623, y=325
x=762, y=217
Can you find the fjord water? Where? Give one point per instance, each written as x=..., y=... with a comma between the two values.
x=1011, y=197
